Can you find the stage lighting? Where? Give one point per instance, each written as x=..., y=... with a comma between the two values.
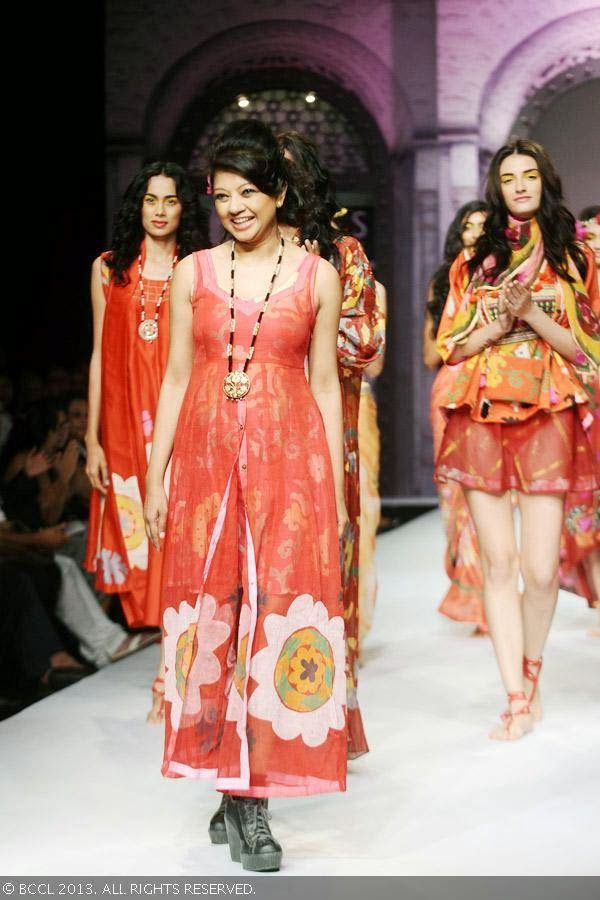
x=243, y=101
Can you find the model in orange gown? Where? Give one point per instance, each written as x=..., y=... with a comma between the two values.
x=360, y=342
x=131, y=283
x=370, y=504
x=580, y=546
x=125, y=377
x=463, y=600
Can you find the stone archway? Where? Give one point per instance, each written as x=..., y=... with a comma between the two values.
x=570, y=42
x=284, y=44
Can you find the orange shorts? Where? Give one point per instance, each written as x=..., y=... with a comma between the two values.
x=549, y=453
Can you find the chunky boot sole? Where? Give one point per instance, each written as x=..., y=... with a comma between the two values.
x=217, y=836
x=261, y=862
x=235, y=845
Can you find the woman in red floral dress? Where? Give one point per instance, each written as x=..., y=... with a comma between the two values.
x=253, y=619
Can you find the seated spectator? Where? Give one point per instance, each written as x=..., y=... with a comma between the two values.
x=70, y=602
x=78, y=505
x=33, y=655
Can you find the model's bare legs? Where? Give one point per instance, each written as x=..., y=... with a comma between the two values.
x=157, y=712
x=592, y=570
x=493, y=518
x=541, y=524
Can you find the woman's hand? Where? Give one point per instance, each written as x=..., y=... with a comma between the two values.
x=312, y=247
x=518, y=299
x=155, y=514
x=96, y=467
x=36, y=463
x=52, y=538
x=342, y=516
x=506, y=317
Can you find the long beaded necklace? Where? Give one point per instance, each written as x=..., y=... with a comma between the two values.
x=236, y=384
x=148, y=328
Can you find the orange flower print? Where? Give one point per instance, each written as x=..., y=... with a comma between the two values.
x=295, y=516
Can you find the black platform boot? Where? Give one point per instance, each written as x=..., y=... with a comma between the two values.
x=216, y=828
x=249, y=835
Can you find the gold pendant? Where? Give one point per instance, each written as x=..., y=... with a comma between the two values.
x=148, y=330
x=236, y=385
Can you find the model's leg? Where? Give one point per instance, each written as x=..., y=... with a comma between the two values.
x=592, y=570
x=157, y=710
x=541, y=524
x=493, y=518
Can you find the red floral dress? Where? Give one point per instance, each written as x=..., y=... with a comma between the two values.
x=255, y=685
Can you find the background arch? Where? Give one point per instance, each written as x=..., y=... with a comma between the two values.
x=564, y=44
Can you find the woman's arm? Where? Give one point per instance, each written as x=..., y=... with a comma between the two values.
x=96, y=467
x=172, y=392
x=323, y=375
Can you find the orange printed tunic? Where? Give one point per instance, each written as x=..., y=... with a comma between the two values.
x=118, y=550
x=530, y=374
x=360, y=341
x=516, y=379
x=255, y=685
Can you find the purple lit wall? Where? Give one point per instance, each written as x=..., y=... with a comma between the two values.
x=432, y=88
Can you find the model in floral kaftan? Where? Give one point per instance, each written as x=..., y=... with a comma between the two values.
x=360, y=341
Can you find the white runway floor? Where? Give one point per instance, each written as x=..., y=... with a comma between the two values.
x=81, y=792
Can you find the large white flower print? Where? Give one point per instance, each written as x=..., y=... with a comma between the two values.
x=113, y=567
x=192, y=634
x=131, y=520
x=300, y=673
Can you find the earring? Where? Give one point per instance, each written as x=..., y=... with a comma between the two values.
x=278, y=204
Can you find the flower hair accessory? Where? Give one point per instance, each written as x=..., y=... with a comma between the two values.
x=209, y=189
x=580, y=230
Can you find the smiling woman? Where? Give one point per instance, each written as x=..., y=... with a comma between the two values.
x=255, y=668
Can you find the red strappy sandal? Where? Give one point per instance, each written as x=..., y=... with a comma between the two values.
x=531, y=671
x=508, y=716
x=157, y=713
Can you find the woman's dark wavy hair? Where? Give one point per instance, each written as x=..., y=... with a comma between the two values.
x=250, y=149
x=128, y=233
x=319, y=204
x=557, y=224
x=440, y=283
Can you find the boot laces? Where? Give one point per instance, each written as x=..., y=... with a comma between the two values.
x=256, y=818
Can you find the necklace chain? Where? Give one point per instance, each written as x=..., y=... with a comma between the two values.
x=148, y=328
x=256, y=328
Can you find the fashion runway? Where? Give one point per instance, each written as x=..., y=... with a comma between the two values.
x=82, y=793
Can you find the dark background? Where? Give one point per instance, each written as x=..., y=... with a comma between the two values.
x=56, y=178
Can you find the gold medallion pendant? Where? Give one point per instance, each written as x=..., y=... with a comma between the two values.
x=236, y=385
x=148, y=330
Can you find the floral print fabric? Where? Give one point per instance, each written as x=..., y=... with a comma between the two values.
x=360, y=341
x=253, y=618
x=118, y=550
